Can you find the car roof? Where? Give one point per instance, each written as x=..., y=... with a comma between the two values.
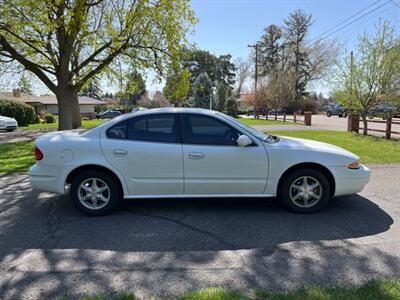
x=173, y=110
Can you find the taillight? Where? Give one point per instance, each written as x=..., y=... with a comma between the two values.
x=38, y=154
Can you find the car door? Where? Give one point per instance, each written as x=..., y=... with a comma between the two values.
x=215, y=164
x=148, y=152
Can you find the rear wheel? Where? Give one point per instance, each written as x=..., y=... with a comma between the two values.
x=305, y=190
x=95, y=193
x=328, y=114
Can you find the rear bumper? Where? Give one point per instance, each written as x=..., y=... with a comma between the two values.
x=350, y=181
x=47, y=178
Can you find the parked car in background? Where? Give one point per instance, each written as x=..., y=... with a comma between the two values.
x=337, y=110
x=108, y=114
x=7, y=123
x=136, y=109
x=261, y=112
x=385, y=110
x=278, y=111
x=188, y=152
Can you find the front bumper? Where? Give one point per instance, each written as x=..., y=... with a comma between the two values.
x=47, y=178
x=350, y=181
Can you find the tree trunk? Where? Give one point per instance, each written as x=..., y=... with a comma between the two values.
x=365, y=124
x=68, y=109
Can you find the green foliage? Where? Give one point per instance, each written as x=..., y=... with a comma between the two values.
x=37, y=120
x=231, y=107
x=23, y=113
x=135, y=88
x=24, y=85
x=202, y=91
x=92, y=88
x=177, y=86
x=66, y=43
x=222, y=94
x=218, y=68
x=370, y=75
x=49, y=118
x=214, y=294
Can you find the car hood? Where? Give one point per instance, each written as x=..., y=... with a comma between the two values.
x=7, y=119
x=304, y=144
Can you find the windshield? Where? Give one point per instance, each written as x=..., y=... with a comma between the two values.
x=257, y=133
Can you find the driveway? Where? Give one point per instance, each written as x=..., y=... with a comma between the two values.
x=165, y=247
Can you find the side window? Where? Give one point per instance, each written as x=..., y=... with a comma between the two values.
x=153, y=128
x=117, y=131
x=205, y=130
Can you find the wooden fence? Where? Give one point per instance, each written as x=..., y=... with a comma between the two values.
x=354, y=126
x=295, y=118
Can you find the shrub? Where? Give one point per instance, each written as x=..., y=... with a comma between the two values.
x=49, y=118
x=37, y=119
x=22, y=112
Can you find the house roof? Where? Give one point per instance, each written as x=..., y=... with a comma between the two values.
x=51, y=99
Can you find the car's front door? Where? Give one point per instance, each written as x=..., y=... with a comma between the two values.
x=148, y=152
x=215, y=164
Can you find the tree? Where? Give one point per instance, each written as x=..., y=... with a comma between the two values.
x=92, y=88
x=24, y=85
x=272, y=51
x=66, y=43
x=202, y=91
x=219, y=69
x=370, y=76
x=231, y=106
x=242, y=73
x=223, y=92
x=177, y=86
x=135, y=88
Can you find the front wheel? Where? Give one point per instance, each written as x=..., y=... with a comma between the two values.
x=95, y=193
x=305, y=190
x=328, y=114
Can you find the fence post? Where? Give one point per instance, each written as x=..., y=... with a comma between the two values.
x=353, y=123
x=307, y=118
x=284, y=117
x=388, y=128
x=294, y=117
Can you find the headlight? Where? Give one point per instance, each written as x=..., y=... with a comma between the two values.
x=354, y=165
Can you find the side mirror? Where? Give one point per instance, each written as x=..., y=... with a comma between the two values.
x=244, y=141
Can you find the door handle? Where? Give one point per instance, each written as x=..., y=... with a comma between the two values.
x=196, y=155
x=120, y=152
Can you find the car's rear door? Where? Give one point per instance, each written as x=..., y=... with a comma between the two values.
x=147, y=150
x=215, y=164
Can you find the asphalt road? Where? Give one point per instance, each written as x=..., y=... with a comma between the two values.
x=165, y=247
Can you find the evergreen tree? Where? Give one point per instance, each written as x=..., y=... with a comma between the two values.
x=202, y=91
x=221, y=96
x=24, y=85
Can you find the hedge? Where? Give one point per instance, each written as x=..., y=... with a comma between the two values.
x=22, y=112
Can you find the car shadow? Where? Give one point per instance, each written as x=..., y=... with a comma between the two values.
x=171, y=241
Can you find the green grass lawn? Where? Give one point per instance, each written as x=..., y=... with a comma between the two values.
x=372, y=290
x=370, y=149
x=85, y=124
x=252, y=121
x=16, y=157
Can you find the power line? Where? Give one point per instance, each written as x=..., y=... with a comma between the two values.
x=321, y=37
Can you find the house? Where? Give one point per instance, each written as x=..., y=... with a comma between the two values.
x=49, y=103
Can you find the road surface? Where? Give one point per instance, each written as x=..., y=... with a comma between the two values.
x=166, y=247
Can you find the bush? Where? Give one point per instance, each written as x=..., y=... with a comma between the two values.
x=37, y=119
x=22, y=112
x=49, y=118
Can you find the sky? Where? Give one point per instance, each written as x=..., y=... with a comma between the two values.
x=228, y=26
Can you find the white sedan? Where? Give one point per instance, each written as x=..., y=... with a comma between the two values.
x=8, y=123
x=184, y=152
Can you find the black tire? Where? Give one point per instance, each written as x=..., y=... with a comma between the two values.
x=292, y=178
x=328, y=114
x=10, y=130
x=114, y=192
x=340, y=115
